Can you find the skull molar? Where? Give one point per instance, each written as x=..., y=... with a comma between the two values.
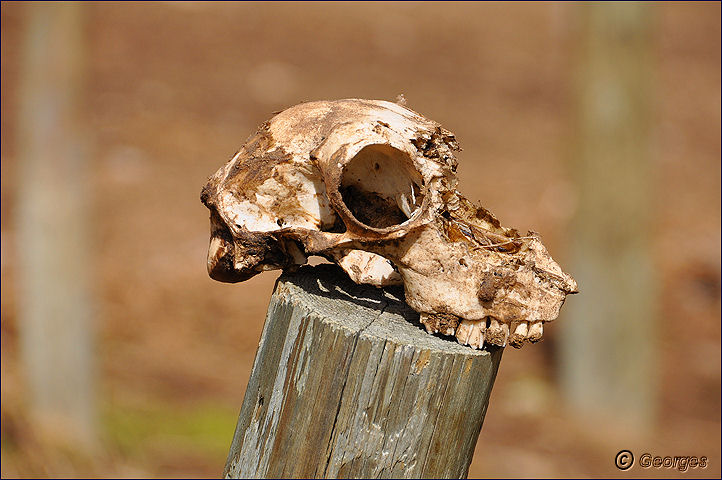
x=371, y=185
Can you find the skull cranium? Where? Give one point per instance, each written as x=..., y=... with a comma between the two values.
x=371, y=185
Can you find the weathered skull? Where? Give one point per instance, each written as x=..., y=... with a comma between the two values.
x=371, y=185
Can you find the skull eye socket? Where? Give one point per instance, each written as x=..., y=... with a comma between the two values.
x=380, y=186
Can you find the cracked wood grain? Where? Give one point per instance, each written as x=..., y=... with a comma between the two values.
x=346, y=383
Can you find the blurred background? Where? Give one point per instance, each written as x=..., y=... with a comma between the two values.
x=597, y=126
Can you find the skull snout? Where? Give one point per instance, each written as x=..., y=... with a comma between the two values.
x=235, y=255
x=221, y=261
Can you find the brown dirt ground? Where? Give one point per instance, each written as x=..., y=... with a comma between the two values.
x=174, y=88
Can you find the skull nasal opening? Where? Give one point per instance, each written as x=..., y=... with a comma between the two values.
x=380, y=186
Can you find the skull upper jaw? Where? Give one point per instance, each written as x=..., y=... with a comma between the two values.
x=469, y=282
x=224, y=265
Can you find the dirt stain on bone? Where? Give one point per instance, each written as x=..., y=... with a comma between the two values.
x=371, y=208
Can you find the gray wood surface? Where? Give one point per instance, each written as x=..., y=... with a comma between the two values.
x=346, y=383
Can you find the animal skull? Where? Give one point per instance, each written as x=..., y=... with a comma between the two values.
x=371, y=185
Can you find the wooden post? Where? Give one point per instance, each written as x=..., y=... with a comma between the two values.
x=55, y=311
x=607, y=360
x=346, y=383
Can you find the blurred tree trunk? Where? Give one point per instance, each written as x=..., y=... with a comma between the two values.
x=607, y=348
x=52, y=216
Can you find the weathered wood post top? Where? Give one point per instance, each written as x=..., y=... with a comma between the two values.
x=346, y=383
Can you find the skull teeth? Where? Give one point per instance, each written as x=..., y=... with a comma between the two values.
x=475, y=332
x=519, y=334
x=471, y=332
x=536, y=329
x=497, y=333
